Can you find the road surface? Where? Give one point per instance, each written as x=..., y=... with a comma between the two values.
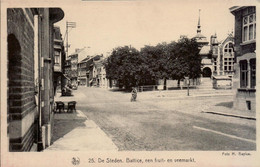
x=157, y=123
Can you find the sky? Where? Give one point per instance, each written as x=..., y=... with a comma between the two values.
x=102, y=26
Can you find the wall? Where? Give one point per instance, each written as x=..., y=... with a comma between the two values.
x=242, y=51
x=21, y=100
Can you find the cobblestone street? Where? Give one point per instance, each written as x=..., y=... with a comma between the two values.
x=169, y=120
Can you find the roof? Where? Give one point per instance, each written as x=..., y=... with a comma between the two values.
x=235, y=8
x=205, y=50
x=77, y=51
x=228, y=38
x=199, y=35
x=98, y=64
x=200, y=38
x=214, y=39
x=84, y=60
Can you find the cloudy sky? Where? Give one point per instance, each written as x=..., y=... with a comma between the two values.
x=104, y=25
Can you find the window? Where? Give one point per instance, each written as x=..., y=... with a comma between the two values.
x=253, y=76
x=249, y=27
x=243, y=74
x=57, y=59
x=228, y=57
x=215, y=64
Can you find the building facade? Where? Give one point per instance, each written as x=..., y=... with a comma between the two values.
x=217, y=58
x=59, y=60
x=76, y=58
x=82, y=72
x=67, y=69
x=245, y=58
x=30, y=88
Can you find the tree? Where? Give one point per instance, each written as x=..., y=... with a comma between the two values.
x=123, y=66
x=163, y=61
x=185, y=59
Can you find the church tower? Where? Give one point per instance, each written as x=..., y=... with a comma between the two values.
x=201, y=39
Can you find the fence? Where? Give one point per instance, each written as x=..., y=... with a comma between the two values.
x=170, y=85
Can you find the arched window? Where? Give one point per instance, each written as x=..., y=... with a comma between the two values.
x=14, y=69
x=228, y=61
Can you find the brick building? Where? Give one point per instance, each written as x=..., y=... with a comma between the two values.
x=30, y=88
x=244, y=82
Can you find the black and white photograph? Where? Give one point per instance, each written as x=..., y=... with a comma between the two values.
x=129, y=83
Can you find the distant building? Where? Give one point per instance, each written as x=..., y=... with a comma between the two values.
x=93, y=66
x=59, y=60
x=75, y=58
x=67, y=69
x=99, y=73
x=244, y=82
x=82, y=71
x=217, y=58
x=30, y=76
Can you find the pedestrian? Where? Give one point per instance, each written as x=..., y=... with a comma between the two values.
x=134, y=94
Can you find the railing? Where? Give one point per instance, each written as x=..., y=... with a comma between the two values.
x=183, y=85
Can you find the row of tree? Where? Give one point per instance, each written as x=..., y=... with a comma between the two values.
x=174, y=60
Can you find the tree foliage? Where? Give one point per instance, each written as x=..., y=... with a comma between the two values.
x=164, y=61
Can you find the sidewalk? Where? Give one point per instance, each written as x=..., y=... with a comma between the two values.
x=219, y=110
x=75, y=96
x=75, y=132
x=225, y=111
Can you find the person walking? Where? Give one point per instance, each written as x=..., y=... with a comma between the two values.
x=134, y=94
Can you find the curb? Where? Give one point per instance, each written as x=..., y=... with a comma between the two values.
x=230, y=115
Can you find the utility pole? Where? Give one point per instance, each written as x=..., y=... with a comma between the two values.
x=68, y=25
